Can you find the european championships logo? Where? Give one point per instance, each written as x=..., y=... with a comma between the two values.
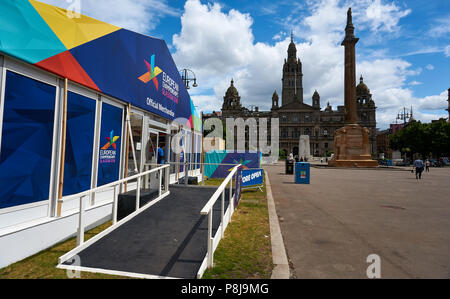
x=111, y=141
x=153, y=72
x=108, y=155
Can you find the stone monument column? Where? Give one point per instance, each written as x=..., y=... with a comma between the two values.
x=351, y=143
x=349, y=43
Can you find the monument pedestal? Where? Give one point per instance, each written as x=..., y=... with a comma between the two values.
x=352, y=148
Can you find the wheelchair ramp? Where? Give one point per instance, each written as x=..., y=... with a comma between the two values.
x=167, y=240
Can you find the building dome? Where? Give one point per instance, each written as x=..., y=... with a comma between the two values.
x=292, y=50
x=362, y=88
x=232, y=91
x=275, y=96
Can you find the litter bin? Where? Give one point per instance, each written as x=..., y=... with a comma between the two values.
x=302, y=173
x=289, y=166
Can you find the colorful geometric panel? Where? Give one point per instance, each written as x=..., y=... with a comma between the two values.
x=196, y=119
x=66, y=66
x=73, y=31
x=24, y=34
x=123, y=64
x=249, y=160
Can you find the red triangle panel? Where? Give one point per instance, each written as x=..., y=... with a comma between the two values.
x=65, y=65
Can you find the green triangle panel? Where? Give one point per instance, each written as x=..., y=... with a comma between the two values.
x=24, y=34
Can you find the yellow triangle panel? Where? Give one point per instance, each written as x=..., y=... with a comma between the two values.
x=75, y=31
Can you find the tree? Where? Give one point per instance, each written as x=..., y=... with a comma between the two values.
x=424, y=139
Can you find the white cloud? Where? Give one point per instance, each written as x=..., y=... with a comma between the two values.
x=447, y=51
x=219, y=46
x=441, y=27
x=384, y=17
x=137, y=15
x=430, y=67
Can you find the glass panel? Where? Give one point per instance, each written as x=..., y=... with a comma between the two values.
x=162, y=156
x=110, y=142
x=136, y=128
x=79, y=143
x=27, y=134
x=173, y=156
x=152, y=146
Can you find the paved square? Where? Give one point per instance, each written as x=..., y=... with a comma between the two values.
x=331, y=226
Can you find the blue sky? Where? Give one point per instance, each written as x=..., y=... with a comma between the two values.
x=403, y=52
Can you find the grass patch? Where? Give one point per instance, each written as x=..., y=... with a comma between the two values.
x=43, y=264
x=245, y=251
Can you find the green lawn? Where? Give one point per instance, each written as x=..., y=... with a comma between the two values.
x=43, y=264
x=245, y=252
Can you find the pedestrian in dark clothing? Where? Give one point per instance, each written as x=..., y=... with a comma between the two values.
x=418, y=164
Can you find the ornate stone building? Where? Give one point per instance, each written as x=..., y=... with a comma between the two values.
x=297, y=118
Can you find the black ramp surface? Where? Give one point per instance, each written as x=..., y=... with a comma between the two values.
x=167, y=239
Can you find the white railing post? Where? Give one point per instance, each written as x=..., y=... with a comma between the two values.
x=222, y=212
x=138, y=193
x=146, y=177
x=80, y=235
x=231, y=198
x=167, y=179
x=210, y=240
x=115, y=203
x=186, y=173
x=233, y=201
x=160, y=182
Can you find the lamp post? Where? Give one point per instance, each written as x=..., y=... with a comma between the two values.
x=188, y=76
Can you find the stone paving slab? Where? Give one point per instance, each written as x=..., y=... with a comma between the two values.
x=331, y=226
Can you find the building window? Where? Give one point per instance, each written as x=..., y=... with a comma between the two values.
x=326, y=144
x=79, y=143
x=307, y=132
x=109, y=157
x=27, y=137
x=325, y=132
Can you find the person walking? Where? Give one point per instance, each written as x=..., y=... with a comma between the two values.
x=161, y=154
x=427, y=165
x=418, y=164
x=160, y=160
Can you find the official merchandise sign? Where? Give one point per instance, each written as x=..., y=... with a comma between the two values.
x=252, y=178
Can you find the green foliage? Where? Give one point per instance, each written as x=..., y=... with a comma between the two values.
x=424, y=139
x=282, y=154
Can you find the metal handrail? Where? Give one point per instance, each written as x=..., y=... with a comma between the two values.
x=208, y=210
x=216, y=194
x=109, y=185
x=82, y=195
x=182, y=163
